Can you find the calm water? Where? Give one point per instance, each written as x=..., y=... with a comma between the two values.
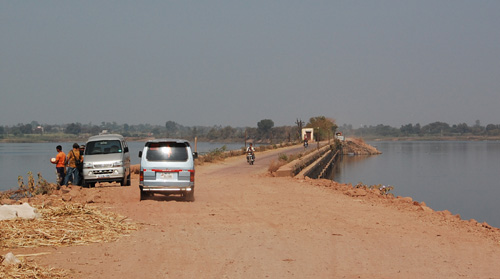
x=17, y=159
x=462, y=177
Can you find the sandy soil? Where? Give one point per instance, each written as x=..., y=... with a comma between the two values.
x=247, y=224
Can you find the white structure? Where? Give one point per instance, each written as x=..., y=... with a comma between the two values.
x=339, y=136
x=307, y=132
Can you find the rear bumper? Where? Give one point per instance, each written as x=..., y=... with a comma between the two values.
x=166, y=189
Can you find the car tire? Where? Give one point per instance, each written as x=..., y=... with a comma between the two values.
x=189, y=196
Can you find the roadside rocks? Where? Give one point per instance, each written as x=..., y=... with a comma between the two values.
x=12, y=211
x=355, y=146
x=356, y=192
x=9, y=259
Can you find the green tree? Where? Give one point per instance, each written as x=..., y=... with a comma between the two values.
x=73, y=128
x=26, y=129
x=407, y=130
x=462, y=128
x=265, y=125
x=324, y=127
x=214, y=133
x=436, y=128
x=171, y=128
x=493, y=130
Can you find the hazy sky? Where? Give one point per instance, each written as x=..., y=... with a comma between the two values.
x=238, y=62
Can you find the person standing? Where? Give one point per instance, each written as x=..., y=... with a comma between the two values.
x=80, y=166
x=60, y=163
x=71, y=161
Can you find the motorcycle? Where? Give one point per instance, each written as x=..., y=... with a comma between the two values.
x=306, y=144
x=250, y=158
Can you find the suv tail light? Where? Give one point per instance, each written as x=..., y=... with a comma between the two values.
x=191, y=175
x=141, y=175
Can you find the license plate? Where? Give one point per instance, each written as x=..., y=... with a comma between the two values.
x=166, y=175
x=102, y=175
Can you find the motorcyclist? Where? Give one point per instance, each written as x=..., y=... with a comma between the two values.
x=251, y=150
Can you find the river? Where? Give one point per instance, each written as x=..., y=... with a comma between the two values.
x=17, y=159
x=460, y=176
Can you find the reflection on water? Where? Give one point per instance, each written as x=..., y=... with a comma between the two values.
x=462, y=177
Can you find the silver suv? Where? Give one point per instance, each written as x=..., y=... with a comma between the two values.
x=106, y=159
x=167, y=167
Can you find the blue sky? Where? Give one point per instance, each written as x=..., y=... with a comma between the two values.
x=238, y=62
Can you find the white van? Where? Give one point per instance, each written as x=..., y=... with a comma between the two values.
x=106, y=159
x=167, y=167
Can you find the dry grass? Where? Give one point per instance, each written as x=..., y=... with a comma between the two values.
x=30, y=270
x=70, y=224
x=275, y=165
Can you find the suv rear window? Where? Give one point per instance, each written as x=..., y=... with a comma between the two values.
x=166, y=151
x=103, y=147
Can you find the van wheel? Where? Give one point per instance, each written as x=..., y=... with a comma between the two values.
x=124, y=181
x=189, y=196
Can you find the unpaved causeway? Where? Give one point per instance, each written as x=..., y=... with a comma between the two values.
x=247, y=224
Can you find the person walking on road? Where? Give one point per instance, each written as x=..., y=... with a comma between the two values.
x=73, y=159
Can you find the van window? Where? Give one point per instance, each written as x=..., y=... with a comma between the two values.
x=103, y=147
x=166, y=151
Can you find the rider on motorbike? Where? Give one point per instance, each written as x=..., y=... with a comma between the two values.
x=251, y=150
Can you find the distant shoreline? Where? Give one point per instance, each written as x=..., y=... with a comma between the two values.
x=435, y=138
x=67, y=138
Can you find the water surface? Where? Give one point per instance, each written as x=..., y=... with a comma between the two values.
x=460, y=176
x=17, y=159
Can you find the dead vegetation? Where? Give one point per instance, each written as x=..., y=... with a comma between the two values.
x=283, y=159
x=29, y=189
x=29, y=269
x=63, y=225
x=69, y=224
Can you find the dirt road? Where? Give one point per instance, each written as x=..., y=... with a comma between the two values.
x=247, y=224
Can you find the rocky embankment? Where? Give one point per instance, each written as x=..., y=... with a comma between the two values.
x=358, y=147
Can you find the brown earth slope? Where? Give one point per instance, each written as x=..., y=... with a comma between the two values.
x=247, y=224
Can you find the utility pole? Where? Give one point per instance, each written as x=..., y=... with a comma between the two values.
x=300, y=124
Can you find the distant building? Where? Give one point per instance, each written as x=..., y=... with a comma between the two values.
x=39, y=129
x=339, y=136
x=307, y=133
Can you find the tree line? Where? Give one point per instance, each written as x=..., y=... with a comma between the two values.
x=434, y=129
x=265, y=131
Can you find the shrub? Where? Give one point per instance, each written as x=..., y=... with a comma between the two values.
x=41, y=187
x=384, y=190
x=274, y=166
